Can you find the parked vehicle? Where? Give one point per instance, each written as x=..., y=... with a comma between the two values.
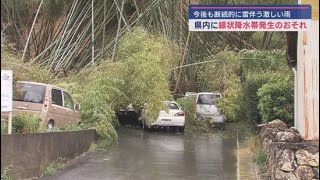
x=129, y=116
x=191, y=94
x=54, y=105
x=173, y=117
x=206, y=106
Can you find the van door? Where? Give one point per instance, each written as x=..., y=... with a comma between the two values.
x=57, y=112
x=69, y=108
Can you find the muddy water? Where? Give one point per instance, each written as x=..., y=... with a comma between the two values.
x=160, y=156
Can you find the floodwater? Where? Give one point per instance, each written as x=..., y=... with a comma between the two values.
x=140, y=155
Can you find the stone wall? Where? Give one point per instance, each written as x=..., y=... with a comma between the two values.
x=289, y=156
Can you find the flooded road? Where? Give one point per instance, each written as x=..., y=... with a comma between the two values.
x=158, y=156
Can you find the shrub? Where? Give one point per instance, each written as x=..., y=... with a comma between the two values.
x=276, y=100
x=231, y=104
x=26, y=123
x=251, y=87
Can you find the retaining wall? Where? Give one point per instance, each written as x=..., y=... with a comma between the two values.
x=30, y=153
x=289, y=156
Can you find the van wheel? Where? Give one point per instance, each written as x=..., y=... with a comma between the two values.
x=50, y=124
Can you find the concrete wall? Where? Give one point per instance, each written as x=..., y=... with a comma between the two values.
x=29, y=153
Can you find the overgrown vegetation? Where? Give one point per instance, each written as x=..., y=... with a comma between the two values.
x=26, y=123
x=259, y=156
x=241, y=76
x=139, y=75
x=253, y=83
x=23, y=71
x=31, y=123
x=53, y=167
x=192, y=123
x=276, y=100
x=6, y=174
x=4, y=127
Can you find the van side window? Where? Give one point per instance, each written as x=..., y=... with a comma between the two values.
x=56, y=97
x=68, y=102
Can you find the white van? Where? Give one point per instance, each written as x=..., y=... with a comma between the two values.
x=206, y=106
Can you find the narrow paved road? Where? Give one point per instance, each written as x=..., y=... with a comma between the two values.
x=157, y=156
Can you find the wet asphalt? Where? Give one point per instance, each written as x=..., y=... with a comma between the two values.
x=141, y=155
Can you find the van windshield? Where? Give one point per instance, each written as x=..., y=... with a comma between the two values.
x=206, y=99
x=29, y=93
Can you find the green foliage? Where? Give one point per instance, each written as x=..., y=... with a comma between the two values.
x=26, y=123
x=224, y=76
x=251, y=86
x=148, y=58
x=258, y=67
x=239, y=75
x=53, y=167
x=5, y=173
x=4, y=127
x=97, y=109
x=269, y=96
x=259, y=156
x=23, y=71
x=138, y=76
x=72, y=127
x=276, y=99
x=253, y=61
x=214, y=75
x=192, y=123
x=231, y=104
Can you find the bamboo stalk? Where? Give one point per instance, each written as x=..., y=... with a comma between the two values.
x=34, y=21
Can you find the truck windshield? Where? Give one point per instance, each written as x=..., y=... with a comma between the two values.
x=29, y=93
